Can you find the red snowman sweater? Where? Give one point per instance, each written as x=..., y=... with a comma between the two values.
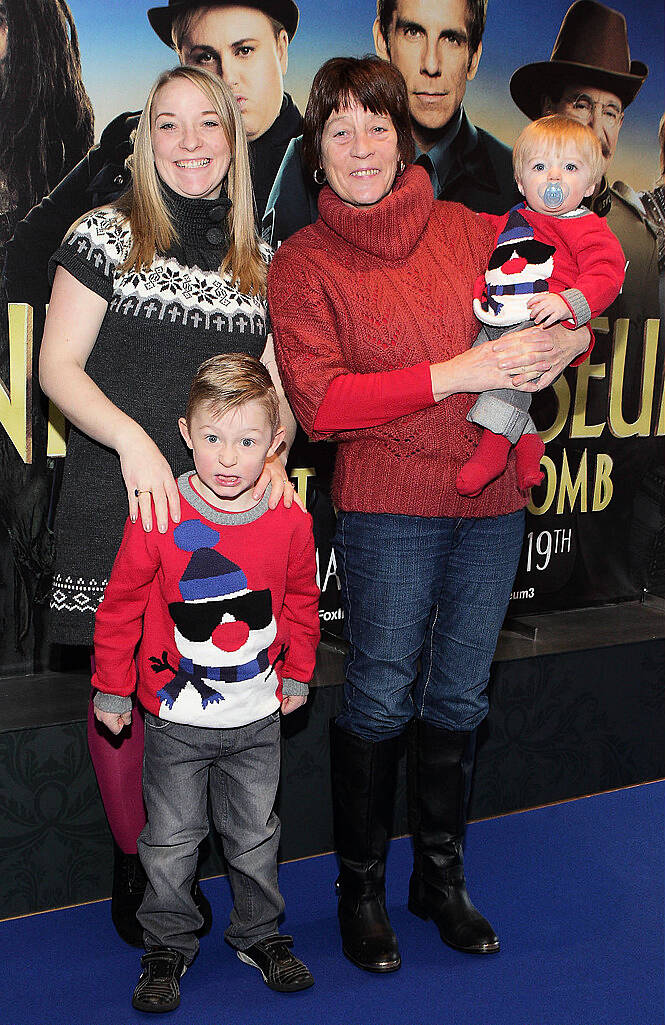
x=223, y=607
x=587, y=259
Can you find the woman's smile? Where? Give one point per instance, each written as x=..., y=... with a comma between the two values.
x=359, y=154
x=189, y=144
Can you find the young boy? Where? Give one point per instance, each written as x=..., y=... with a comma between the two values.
x=554, y=261
x=224, y=610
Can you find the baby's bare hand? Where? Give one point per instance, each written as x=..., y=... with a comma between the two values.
x=114, y=722
x=293, y=701
x=548, y=309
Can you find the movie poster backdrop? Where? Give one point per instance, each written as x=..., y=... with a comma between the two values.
x=595, y=527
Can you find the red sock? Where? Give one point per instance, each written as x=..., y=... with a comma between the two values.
x=487, y=462
x=528, y=452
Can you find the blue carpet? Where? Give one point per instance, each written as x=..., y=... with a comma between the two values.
x=575, y=892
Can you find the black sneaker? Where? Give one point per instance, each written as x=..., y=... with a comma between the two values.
x=158, y=988
x=278, y=966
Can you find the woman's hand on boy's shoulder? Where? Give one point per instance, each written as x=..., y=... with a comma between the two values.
x=274, y=473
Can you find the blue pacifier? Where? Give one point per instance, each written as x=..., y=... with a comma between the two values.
x=553, y=195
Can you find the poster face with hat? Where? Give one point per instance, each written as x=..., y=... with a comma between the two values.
x=595, y=527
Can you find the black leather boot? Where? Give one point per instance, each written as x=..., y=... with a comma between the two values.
x=440, y=764
x=363, y=777
x=129, y=883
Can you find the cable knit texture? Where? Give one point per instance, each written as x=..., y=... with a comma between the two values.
x=375, y=290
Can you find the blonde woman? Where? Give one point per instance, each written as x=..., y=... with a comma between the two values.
x=143, y=292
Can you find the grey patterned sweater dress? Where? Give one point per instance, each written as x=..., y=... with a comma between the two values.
x=161, y=323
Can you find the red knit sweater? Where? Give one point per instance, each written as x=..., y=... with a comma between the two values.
x=223, y=607
x=385, y=291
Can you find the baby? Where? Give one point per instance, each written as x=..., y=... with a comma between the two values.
x=554, y=261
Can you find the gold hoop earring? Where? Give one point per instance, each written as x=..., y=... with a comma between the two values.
x=320, y=171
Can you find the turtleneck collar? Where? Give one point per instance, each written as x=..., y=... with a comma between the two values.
x=392, y=227
x=202, y=228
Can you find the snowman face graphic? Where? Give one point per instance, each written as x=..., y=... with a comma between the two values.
x=520, y=262
x=224, y=631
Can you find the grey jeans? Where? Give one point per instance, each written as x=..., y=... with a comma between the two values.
x=503, y=410
x=241, y=766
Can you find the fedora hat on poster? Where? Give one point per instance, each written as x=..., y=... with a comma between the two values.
x=283, y=11
x=591, y=49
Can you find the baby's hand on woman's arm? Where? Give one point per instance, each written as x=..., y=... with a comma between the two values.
x=113, y=721
x=548, y=309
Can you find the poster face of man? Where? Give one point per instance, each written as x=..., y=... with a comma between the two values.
x=429, y=43
x=597, y=108
x=239, y=45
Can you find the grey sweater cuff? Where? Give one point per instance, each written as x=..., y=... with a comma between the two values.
x=117, y=704
x=578, y=304
x=294, y=688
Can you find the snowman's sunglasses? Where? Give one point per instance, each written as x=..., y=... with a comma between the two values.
x=197, y=620
x=531, y=251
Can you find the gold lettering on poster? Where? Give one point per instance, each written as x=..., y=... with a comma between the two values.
x=603, y=488
x=575, y=493
x=570, y=490
x=16, y=399
x=55, y=441
x=579, y=428
x=620, y=427
x=550, y=487
x=301, y=475
x=660, y=428
x=562, y=393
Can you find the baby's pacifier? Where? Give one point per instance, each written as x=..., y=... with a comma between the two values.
x=553, y=195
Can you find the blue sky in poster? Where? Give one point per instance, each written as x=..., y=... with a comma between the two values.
x=122, y=55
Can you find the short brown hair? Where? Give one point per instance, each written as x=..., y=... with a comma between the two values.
x=476, y=16
x=551, y=133
x=373, y=83
x=183, y=21
x=230, y=380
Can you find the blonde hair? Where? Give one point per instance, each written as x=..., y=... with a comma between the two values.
x=230, y=380
x=144, y=206
x=553, y=134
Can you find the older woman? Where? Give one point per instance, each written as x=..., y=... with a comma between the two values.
x=371, y=311
x=143, y=292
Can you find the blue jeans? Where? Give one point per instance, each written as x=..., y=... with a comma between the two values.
x=242, y=767
x=428, y=589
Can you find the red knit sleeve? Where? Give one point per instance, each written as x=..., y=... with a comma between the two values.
x=354, y=401
x=327, y=398
x=301, y=602
x=119, y=619
x=600, y=261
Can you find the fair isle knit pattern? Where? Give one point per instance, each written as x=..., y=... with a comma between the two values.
x=166, y=291
x=371, y=290
x=160, y=324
